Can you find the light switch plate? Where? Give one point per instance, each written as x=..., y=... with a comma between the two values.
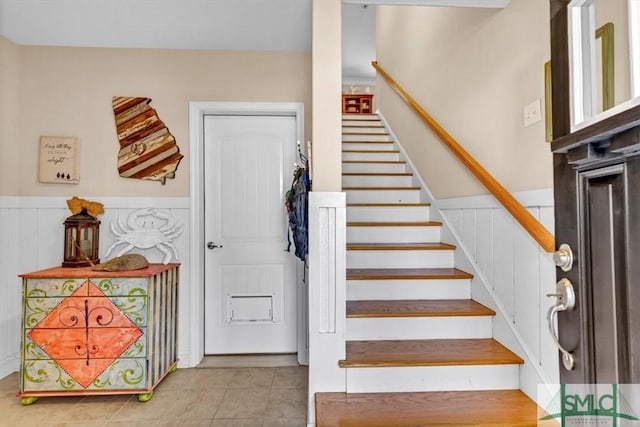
x=532, y=113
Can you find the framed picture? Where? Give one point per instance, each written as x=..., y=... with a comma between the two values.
x=59, y=160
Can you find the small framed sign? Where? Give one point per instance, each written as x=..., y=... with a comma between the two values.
x=59, y=160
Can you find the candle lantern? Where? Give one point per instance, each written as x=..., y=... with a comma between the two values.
x=81, y=236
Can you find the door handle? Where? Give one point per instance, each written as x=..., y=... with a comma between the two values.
x=565, y=300
x=212, y=245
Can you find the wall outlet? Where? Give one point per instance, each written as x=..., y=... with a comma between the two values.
x=532, y=113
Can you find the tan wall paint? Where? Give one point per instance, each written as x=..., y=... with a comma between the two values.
x=9, y=115
x=67, y=91
x=473, y=70
x=327, y=86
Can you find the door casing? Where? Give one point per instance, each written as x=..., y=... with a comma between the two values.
x=197, y=111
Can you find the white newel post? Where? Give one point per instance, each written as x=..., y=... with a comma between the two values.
x=327, y=294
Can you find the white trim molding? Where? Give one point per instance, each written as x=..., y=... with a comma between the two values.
x=327, y=294
x=197, y=113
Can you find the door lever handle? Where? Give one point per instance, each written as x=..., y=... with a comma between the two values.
x=212, y=245
x=565, y=300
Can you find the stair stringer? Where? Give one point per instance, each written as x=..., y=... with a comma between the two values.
x=503, y=330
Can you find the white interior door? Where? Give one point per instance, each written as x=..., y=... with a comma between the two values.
x=250, y=280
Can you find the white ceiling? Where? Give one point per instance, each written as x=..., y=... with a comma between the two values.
x=173, y=24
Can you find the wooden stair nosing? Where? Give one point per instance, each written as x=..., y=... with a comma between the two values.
x=416, y=308
x=394, y=224
x=430, y=352
x=380, y=205
x=366, y=141
x=371, y=151
x=375, y=161
x=366, y=133
x=380, y=126
x=415, y=246
x=377, y=174
x=496, y=408
x=407, y=274
x=382, y=188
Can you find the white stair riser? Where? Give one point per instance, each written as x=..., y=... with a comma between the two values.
x=354, y=119
x=368, y=145
x=360, y=290
x=433, y=378
x=370, y=156
x=365, y=137
x=383, y=196
x=409, y=328
x=406, y=234
x=400, y=259
x=374, y=167
x=380, y=213
x=377, y=180
x=363, y=128
x=360, y=123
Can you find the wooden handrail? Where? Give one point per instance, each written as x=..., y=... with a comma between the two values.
x=537, y=231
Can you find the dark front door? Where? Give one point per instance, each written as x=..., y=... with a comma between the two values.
x=597, y=214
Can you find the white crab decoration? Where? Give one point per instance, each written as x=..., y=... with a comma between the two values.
x=146, y=236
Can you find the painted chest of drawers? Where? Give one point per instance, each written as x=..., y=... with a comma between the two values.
x=86, y=332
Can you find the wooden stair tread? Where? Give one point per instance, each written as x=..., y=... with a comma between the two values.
x=367, y=141
x=497, y=408
x=366, y=133
x=370, y=151
x=377, y=174
x=374, y=161
x=434, y=352
x=379, y=205
x=360, y=119
x=416, y=308
x=406, y=274
x=395, y=224
x=418, y=246
x=364, y=126
x=382, y=188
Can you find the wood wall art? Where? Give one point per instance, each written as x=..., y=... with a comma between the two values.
x=59, y=160
x=147, y=149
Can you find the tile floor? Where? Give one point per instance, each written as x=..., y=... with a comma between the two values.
x=216, y=397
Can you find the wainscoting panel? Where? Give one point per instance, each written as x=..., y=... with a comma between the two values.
x=31, y=238
x=512, y=275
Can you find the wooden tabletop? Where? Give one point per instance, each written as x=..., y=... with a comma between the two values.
x=54, y=272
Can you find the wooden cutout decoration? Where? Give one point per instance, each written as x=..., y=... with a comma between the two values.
x=147, y=149
x=59, y=160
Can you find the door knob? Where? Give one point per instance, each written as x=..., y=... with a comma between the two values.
x=212, y=245
x=565, y=300
x=563, y=257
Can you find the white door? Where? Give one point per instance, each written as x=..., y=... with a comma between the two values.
x=250, y=280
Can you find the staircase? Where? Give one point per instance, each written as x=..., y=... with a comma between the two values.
x=419, y=350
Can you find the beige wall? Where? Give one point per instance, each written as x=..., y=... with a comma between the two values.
x=67, y=91
x=473, y=70
x=9, y=115
x=327, y=80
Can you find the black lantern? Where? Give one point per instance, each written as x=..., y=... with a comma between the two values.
x=81, y=235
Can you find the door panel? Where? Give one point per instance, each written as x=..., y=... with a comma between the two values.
x=604, y=195
x=250, y=280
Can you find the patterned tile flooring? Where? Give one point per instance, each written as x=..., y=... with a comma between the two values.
x=216, y=397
